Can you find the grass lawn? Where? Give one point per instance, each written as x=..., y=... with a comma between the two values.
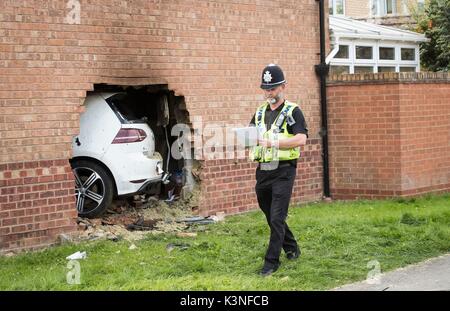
x=338, y=240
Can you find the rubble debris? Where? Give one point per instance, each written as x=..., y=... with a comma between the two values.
x=76, y=256
x=186, y=234
x=169, y=227
x=84, y=221
x=122, y=220
x=181, y=246
x=132, y=246
x=197, y=220
x=138, y=200
x=142, y=224
x=82, y=226
x=64, y=239
x=196, y=171
x=112, y=237
x=171, y=196
x=118, y=207
x=220, y=216
x=128, y=217
x=191, y=219
x=96, y=222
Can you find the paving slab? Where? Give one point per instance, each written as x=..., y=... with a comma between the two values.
x=430, y=275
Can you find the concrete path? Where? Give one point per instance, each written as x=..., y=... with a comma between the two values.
x=430, y=275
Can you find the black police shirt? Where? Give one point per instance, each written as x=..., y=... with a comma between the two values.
x=299, y=127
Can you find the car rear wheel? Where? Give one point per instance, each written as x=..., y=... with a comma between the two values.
x=93, y=188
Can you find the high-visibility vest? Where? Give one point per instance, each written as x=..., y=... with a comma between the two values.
x=278, y=130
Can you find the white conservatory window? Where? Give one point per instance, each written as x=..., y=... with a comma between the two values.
x=386, y=53
x=408, y=54
x=363, y=52
x=336, y=7
x=386, y=68
x=343, y=52
x=407, y=69
x=365, y=56
x=339, y=69
x=363, y=69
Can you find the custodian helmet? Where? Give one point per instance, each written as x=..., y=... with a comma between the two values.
x=271, y=77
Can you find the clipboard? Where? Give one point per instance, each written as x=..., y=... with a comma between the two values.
x=247, y=136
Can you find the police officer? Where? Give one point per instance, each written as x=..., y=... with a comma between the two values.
x=282, y=130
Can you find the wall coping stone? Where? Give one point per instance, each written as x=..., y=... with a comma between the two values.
x=388, y=78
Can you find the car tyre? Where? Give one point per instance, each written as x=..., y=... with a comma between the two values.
x=93, y=188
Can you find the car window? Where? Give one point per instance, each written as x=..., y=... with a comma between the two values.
x=122, y=105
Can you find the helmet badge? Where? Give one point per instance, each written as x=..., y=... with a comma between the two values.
x=267, y=77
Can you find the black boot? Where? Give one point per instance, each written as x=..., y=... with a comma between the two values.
x=292, y=255
x=268, y=269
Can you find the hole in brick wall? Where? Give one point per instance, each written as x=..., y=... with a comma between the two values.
x=120, y=151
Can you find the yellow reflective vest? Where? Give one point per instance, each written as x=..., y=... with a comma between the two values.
x=278, y=130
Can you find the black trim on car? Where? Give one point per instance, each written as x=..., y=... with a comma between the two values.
x=142, y=188
x=122, y=119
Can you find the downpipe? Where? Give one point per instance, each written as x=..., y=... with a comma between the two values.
x=322, y=70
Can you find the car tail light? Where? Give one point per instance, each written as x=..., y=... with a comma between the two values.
x=125, y=136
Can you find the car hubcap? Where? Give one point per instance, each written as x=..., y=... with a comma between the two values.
x=89, y=189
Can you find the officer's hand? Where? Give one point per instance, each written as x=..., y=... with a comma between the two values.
x=265, y=143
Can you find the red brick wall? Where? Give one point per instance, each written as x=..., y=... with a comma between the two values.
x=210, y=52
x=389, y=134
x=425, y=133
x=36, y=203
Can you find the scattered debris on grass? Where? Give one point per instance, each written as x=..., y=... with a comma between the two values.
x=142, y=224
x=76, y=256
x=181, y=246
x=186, y=234
x=132, y=220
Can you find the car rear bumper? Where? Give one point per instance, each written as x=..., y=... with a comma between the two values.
x=145, y=185
x=134, y=171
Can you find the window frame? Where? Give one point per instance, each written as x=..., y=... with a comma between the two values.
x=349, y=52
x=365, y=65
x=387, y=46
x=376, y=61
x=365, y=60
x=409, y=48
x=341, y=65
x=381, y=8
x=387, y=66
x=333, y=7
x=406, y=66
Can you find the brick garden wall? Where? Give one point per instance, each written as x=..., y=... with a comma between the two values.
x=210, y=52
x=389, y=134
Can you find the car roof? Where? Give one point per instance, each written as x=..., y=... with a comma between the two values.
x=107, y=95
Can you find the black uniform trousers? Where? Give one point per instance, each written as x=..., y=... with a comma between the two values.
x=274, y=189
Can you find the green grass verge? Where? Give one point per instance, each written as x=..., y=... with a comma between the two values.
x=338, y=240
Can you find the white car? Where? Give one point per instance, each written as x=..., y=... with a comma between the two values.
x=114, y=154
